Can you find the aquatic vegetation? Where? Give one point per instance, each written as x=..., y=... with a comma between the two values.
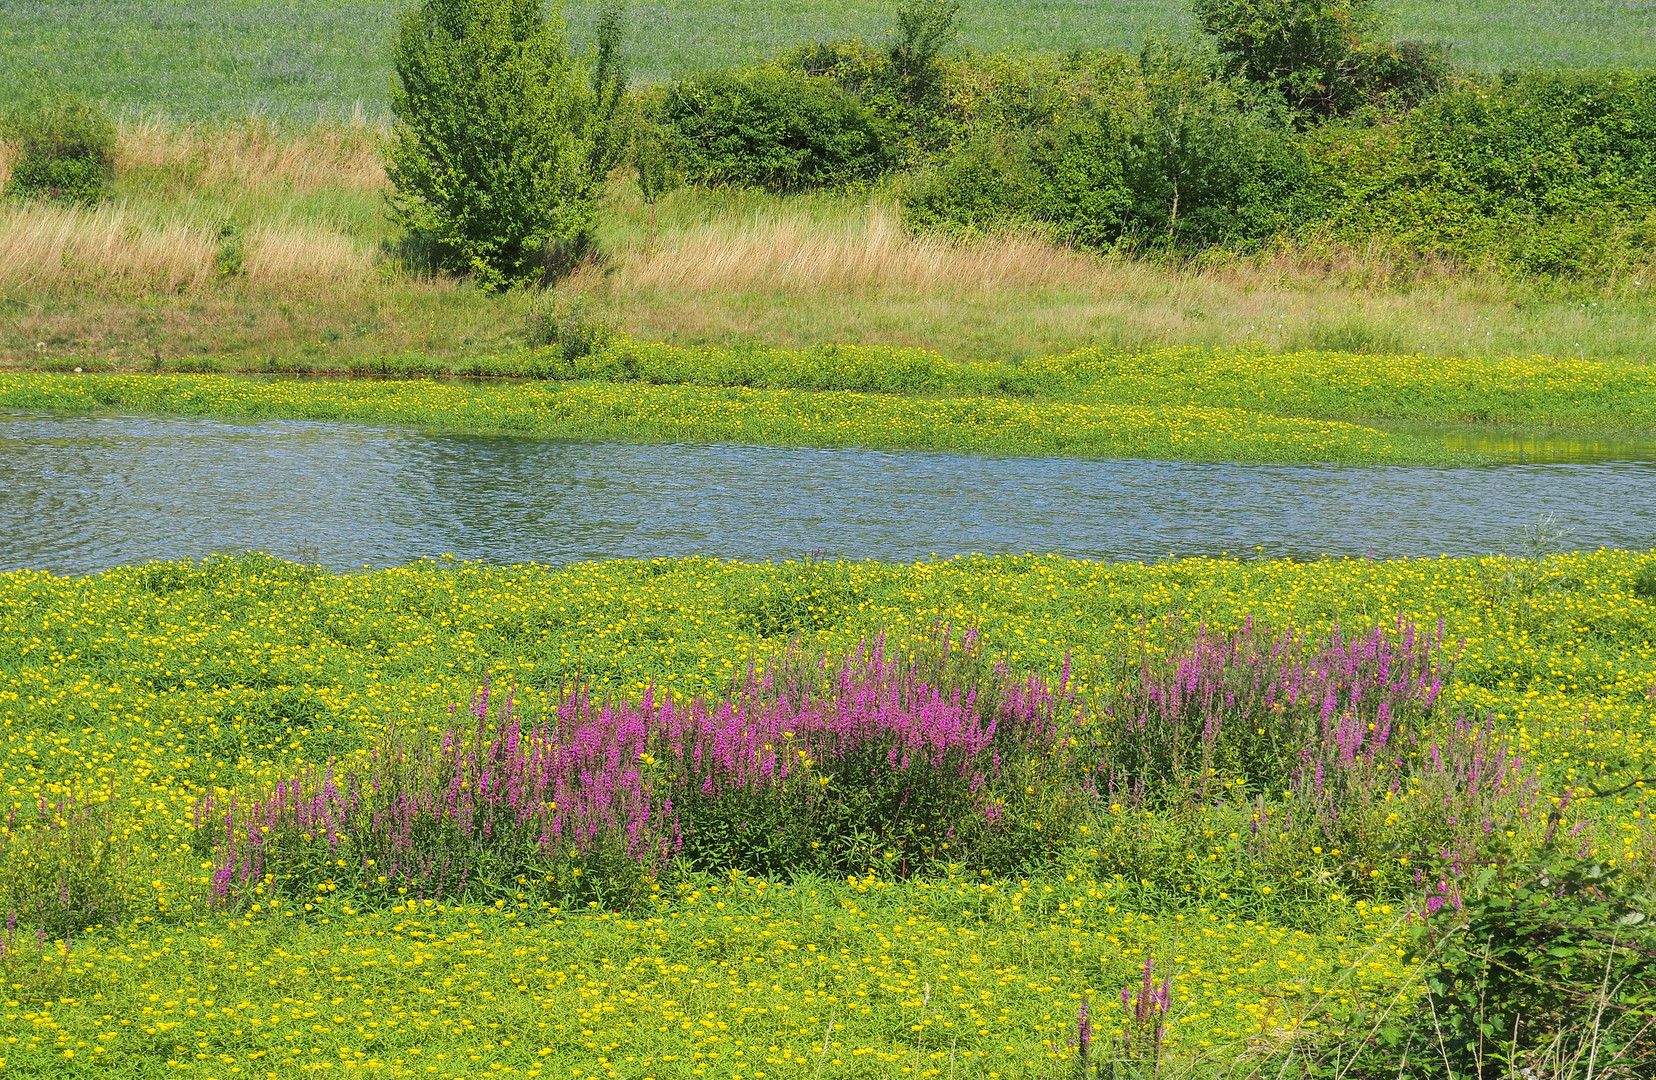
x=1534, y=391
x=146, y=690
x=1169, y=404
x=633, y=412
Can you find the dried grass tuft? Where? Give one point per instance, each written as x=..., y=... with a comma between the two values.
x=286, y=254
x=45, y=245
x=256, y=155
x=778, y=251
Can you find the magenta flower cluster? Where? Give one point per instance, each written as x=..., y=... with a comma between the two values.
x=1276, y=709
x=497, y=800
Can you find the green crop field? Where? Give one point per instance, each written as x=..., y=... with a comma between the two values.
x=304, y=58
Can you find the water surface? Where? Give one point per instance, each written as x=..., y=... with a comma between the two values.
x=81, y=494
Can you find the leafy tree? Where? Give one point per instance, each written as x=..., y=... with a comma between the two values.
x=1324, y=57
x=500, y=144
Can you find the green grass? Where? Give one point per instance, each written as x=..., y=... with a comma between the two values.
x=304, y=58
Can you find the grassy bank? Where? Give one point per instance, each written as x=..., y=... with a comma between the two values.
x=1526, y=392
x=136, y=284
x=216, y=58
x=635, y=412
x=145, y=687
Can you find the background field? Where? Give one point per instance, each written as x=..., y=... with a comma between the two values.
x=299, y=59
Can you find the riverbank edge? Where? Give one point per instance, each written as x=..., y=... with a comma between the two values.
x=644, y=413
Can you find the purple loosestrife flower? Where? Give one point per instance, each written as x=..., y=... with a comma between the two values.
x=427, y=812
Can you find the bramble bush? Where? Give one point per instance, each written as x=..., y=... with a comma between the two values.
x=1543, y=968
x=65, y=152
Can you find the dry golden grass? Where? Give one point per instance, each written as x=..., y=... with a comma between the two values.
x=255, y=155
x=44, y=246
x=286, y=255
x=774, y=249
x=805, y=271
x=114, y=247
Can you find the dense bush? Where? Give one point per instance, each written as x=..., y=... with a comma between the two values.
x=1167, y=154
x=772, y=128
x=1322, y=57
x=65, y=152
x=1545, y=172
x=1541, y=173
x=500, y=141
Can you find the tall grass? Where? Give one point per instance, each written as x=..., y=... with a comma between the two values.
x=119, y=247
x=777, y=247
x=252, y=154
x=46, y=246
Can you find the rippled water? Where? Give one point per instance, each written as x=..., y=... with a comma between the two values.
x=82, y=494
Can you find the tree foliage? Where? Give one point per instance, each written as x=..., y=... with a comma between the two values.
x=1324, y=57
x=501, y=138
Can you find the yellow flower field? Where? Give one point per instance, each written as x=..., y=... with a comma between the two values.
x=140, y=689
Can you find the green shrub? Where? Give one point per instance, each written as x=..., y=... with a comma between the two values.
x=772, y=128
x=231, y=258
x=499, y=144
x=1549, y=173
x=1538, y=976
x=1322, y=57
x=65, y=152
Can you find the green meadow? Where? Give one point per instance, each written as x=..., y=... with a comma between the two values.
x=305, y=59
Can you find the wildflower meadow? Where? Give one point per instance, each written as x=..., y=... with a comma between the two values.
x=979, y=816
